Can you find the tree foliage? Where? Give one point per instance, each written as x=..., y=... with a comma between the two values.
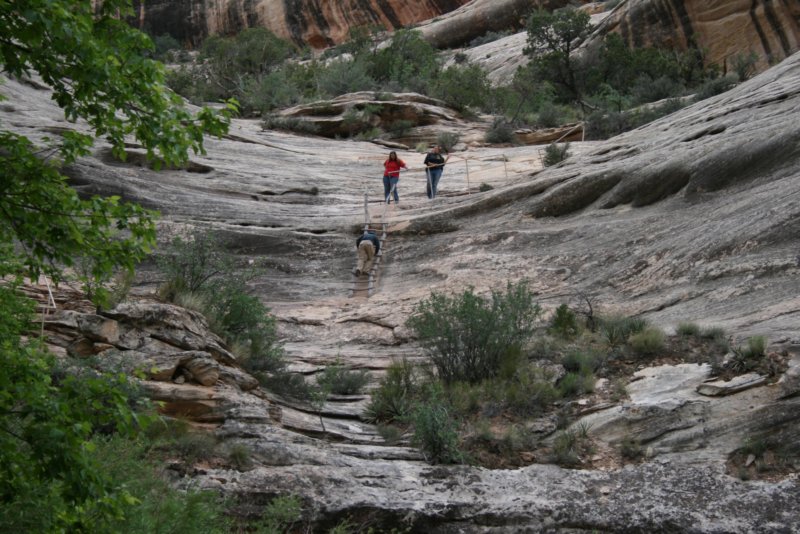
x=48, y=477
x=95, y=65
x=466, y=336
x=552, y=37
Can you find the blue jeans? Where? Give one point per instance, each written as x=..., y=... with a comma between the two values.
x=388, y=183
x=434, y=175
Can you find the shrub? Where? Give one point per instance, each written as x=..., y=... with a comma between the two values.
x=500, y=131
x=549, y=116
x=191, y=264
x=164, y=44
x=576, y=384
x=647, y=89
x=193, y=446
x=756, y=347
x=287, y=384
x=579, y=362
x=401, y=127
x=747, y=358
x=569, y=445
x=717, y=335
x=744, y=65
x=291, y=124
x=566, y=448
x=648, y=341
x=391, y=434
x=517, y=438
x=201, y=275
x=630, y=448
x=369, y=134
x=488, y=37
x=239, y=457
x=715, y=87
x=447, y=140
x=393, y=398
x=279, y=515
x=344, y=76
x=407, y=63
x=435, y=433
x=688, y=330
x=529, y=392
x=564, y=322
x=340, y=380
x=616, y=329
x=555, y=154
x=466, y=336
x=484, y=187
x=160, y=507
x=461, y=86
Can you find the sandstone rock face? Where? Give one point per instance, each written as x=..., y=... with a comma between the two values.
x=479, y=17
x=693, y=217
x=723, y=29
x=304, y=22
x=369, y=109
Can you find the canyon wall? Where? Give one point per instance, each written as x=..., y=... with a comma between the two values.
x=723, y=29
x=315, y=23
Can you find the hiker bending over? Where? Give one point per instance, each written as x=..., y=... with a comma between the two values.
x=391, y=175
x=434, y=161
x=368, y=245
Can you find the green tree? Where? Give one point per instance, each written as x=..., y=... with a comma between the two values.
x=461, y=86
x=95, y=65
x=552, y=37
x=409, y=62
x=49, y=480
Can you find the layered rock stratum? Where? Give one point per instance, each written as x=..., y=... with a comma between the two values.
x=304, y=22
x=722, y=29
x=693, y=217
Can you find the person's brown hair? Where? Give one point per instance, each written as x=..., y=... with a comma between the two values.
x=392, y=153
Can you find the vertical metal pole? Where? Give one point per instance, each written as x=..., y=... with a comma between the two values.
x=583, y=131
x=505, y=166
x=466, y=162
x=366, y=208
x=430, y=184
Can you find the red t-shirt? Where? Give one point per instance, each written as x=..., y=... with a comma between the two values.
x=393, y=167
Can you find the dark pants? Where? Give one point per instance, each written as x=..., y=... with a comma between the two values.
x=433, y=181
x=388, y=183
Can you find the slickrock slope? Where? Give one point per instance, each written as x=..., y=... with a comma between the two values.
x=304, y=22
x=723, y=29
x=693, y=217
x=480, y=16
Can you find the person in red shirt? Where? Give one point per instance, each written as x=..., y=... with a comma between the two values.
x=391, y=175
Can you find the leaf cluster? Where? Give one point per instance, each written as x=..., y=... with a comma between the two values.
x=466, y=335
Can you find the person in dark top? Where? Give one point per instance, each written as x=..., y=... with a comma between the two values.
x=391, y=176
x=434, y=161
x=368, y=246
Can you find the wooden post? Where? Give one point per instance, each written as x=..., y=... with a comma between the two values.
x=583, y=131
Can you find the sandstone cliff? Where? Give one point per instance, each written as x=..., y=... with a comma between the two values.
x=723, y=29
x=304, y=22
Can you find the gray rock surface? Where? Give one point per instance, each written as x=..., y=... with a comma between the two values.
x=693, y=217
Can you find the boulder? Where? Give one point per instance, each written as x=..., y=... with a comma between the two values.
x=354, y=112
